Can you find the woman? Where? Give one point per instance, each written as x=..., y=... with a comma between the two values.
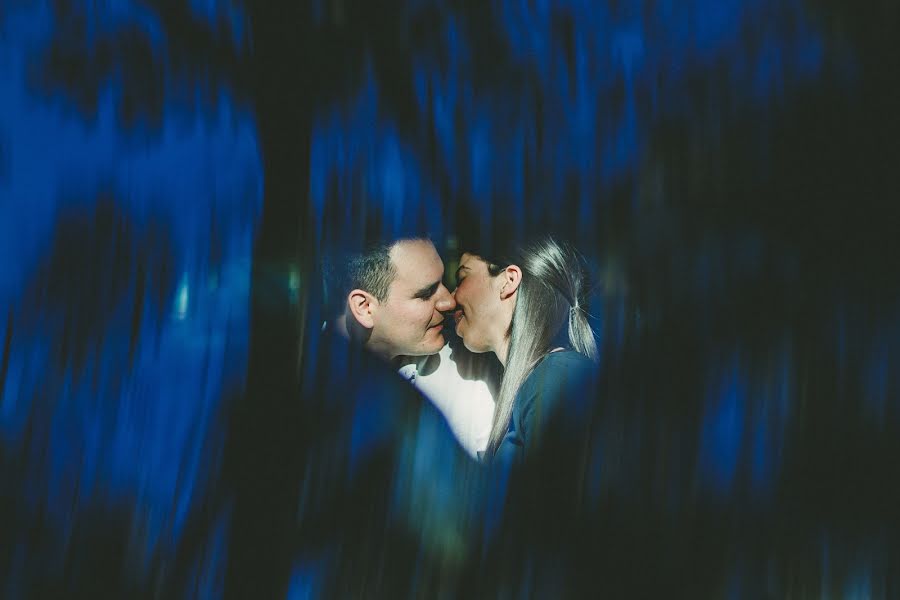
x=528, y=307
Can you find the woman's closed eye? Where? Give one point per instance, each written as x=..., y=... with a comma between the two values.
x=461, y=274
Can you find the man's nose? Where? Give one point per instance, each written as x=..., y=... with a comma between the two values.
x=445, y=301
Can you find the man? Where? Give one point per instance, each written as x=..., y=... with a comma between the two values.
x=396, y=302
x=388, y=499
x=395, y=305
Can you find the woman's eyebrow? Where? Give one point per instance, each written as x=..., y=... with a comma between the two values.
x=427, y=291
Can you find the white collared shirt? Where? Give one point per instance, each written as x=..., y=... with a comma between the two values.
x=466, y=402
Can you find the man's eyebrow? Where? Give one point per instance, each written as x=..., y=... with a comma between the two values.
x=460, y=268
x=428, y=290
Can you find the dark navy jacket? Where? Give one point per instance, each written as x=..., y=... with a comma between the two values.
x=555, y=401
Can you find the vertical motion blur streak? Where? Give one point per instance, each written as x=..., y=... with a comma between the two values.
x=176, y=420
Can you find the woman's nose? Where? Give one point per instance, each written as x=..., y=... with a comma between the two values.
x=445, y=302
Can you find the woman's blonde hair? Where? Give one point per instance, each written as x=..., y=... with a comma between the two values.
x=550, y=311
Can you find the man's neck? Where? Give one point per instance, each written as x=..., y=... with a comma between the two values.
x=362, y=338
x=380, y=351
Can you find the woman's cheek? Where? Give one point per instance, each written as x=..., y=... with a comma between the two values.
x=459, y=294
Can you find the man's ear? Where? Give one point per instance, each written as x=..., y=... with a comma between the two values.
x=512, y=277
x=362, y=305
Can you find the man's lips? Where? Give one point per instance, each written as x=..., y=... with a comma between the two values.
x=457, y=316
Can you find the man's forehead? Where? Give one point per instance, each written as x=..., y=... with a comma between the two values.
x=416, y=262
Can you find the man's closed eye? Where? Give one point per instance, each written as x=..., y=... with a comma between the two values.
x=428, y=292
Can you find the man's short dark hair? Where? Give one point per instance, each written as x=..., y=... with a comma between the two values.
x=371, y=270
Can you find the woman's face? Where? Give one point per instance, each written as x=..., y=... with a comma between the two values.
x=482, y=318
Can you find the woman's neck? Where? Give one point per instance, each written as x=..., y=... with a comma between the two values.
x=502, y=351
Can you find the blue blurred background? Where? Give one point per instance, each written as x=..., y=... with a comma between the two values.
x=169, y=170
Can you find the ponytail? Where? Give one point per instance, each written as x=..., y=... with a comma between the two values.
x=581, y=335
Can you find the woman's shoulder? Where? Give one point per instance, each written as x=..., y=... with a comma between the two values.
x=564, y=363
x=557, y=374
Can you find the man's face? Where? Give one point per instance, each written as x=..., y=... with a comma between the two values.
x=409, y=321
